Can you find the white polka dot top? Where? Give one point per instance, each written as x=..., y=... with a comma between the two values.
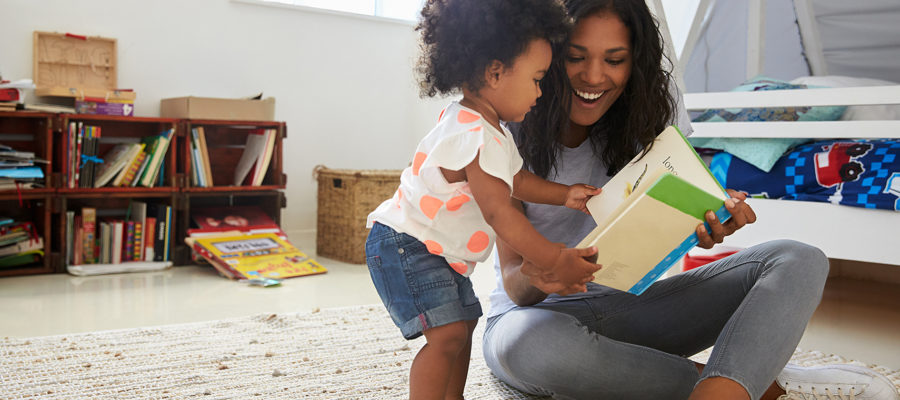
x=443, y=215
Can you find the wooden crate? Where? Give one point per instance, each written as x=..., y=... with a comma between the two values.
x=345, y=199
x=76, y=66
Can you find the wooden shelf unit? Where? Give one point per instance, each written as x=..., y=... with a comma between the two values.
x=44, y=134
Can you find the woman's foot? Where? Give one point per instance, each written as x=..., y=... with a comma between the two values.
x=840, y=381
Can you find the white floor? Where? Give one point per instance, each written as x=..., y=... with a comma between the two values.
x=856, y=319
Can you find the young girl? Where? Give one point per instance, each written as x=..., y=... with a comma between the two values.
x=426, y=240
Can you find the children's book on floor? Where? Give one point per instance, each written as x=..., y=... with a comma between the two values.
x=648, y=213
x=237, y=255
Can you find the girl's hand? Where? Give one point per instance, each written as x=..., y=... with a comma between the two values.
x=741, y=214
x=571, y=270
x=578, y=195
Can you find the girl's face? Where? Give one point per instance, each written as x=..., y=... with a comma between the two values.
x=518, y=88
x=598, y=63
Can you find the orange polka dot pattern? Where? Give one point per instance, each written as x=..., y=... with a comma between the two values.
x=478, y=242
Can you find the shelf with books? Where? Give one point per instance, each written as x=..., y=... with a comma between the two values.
x=113, y=230
x=229, y=156
x=112, y=154
x=25, y=227
x=54, y=138
x=26, y=150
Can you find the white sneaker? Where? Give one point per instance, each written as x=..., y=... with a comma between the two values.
x=835, y=382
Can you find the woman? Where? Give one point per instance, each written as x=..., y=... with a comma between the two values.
x=603, y=102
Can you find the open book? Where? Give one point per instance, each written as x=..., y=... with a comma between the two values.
x=647, y=214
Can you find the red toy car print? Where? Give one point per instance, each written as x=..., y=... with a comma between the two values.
x=836, y=165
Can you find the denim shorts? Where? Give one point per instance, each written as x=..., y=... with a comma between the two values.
x=419, y=289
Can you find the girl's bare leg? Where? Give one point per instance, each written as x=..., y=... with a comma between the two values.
x=430, y=373
x=460, y=369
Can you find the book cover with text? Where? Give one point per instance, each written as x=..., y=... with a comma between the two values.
x=648, y=212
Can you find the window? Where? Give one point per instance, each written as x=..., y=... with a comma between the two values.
x=395, y=9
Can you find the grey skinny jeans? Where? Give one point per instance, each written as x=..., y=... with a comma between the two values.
x=752, y=306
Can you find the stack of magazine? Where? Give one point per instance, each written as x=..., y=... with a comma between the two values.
x=18, y=169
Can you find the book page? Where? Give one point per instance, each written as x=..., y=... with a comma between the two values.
x=638, y=240
x=670, y=152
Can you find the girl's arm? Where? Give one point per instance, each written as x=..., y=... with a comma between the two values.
x=531, y=188
x=493, y=198
x=522, y=289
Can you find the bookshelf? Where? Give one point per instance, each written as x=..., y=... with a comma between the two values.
x=45, y=134
x=31, y=132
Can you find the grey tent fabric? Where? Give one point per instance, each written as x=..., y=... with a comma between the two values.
x=856, y=38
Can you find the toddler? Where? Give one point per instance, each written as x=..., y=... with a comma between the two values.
x=426, y=239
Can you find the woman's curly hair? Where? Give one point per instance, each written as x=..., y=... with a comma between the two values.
x=461, y=38
x=643, y=110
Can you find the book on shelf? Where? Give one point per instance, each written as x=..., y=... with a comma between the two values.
x=137, y=174
x=88, y=161
x=647, y=214
x=198, y=177
x=126, y=176
x=246, y=219
x=254, y=256
x=77, y=239
x=138, y=244
x=158, y=146
x=16, y=232
x=105, y=236
x=89, y=224
x=22, y=246
x=131, y=158
x=204, y=154
x=162, y=214
x=256, y=157
x=149, y=238
x=202, y=172
x=113, y=162
x=18, y=260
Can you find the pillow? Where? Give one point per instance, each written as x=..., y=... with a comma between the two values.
x=856, y=113
x=764, y=152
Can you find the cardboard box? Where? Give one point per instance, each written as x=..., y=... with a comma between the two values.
x=213, y=108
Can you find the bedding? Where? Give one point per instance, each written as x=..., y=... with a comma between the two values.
x=763, y=153
x=859, y=173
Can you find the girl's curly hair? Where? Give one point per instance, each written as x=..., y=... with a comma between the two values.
x=460, y=38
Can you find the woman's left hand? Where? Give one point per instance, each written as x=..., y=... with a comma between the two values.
x=741, y=214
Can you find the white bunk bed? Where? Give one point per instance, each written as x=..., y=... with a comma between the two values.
x=842, y=232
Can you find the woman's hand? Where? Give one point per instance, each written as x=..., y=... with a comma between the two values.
x=578, y=195
x=741, y=214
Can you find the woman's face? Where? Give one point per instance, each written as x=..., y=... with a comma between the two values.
x=598, y=63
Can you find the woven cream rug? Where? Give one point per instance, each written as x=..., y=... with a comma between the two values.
x=339, y=353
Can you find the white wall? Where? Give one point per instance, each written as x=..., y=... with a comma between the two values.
x=343, y=84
